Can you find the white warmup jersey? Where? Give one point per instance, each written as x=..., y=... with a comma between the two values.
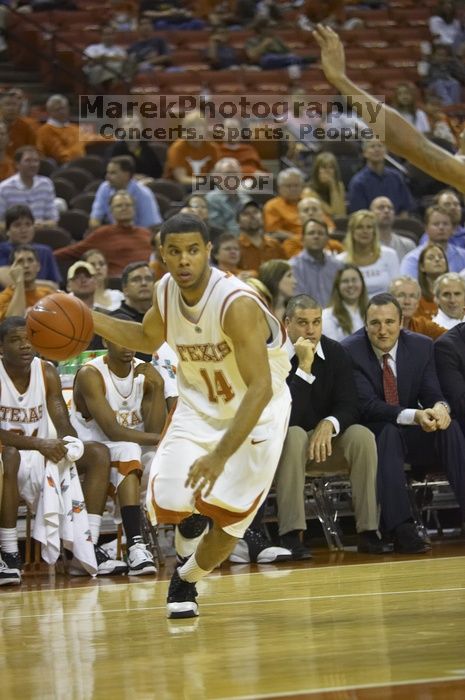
x=124, y=398
x=26, y=413
x=208, y=377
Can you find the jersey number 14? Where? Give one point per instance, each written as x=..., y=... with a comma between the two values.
x=217, y=386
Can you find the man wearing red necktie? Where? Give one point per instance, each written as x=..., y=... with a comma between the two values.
x=402, y=403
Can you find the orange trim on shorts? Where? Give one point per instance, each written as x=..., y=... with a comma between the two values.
x=222, y=516
x=163, y=515
x=126, y=468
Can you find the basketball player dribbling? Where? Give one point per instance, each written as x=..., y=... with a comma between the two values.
x=398, y=134
x=222, y=447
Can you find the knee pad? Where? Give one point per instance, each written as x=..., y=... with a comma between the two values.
x=193, y=526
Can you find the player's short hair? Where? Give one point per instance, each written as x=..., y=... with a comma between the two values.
x=10, y=324
x=300, y=301
x=17, y=211
x=19, y=248
x=184, y=223
x=382, y=300
x=130, y=268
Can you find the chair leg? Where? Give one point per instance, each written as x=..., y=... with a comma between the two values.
x=150, y=535
x=326, y=515
x=28, y=548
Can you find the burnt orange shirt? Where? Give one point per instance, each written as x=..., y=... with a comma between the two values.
x=426, y=309
x=7, y=168
x=20, y=133
x=182, y=154
x=32, y=297
x=246, y=154
x=252, y=257
x=60, y=142
x=426, y=327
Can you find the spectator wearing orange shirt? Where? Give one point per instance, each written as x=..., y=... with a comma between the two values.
x=7, y=166
x=233, y=147
x=58, y=138
x=20, y=131
x=407, y=292
x=255, y=246
x=18, y=298
x=188, y=157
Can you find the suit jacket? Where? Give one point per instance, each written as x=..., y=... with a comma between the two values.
x=449, y=351
x=332, y=393
x=417, y=380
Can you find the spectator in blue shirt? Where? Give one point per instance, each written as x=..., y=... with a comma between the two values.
x=119, y=176
x=377, y=180
x=19, y=223
x=450, y=201
x=439, y=229
x=150, y=51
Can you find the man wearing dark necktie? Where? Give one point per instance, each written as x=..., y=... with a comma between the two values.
x=402, y=403
x=324, y=434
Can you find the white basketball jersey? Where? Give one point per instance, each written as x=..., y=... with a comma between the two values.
x=124, y=396
x=208, y=376
x=26, y=413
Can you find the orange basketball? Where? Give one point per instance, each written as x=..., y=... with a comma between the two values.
x=60, y=326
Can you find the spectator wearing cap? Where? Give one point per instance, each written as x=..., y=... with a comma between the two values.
x=19, y=223
x=24, y=292
x=255, y=246
x=29, y=188
x=120, y=243
x=225, y=203
x=82, y=283
x=120, y=176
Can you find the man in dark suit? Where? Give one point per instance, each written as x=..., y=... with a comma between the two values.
x=323, y=433
x=449, y=352
x=402, y=403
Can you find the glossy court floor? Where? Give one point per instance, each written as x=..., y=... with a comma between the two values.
x=342, y=627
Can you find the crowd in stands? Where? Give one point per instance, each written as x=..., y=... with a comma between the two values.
x=344, y=241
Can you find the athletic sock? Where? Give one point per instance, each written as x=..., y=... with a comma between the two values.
x=191, y=571
x=94, y=525
x=130, y=516
x=9, y=539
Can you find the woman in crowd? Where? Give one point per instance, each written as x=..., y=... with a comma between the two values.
x=348, y=303
x=431, y=264
x=326, y=184
x=378, y=263
x=105, y=298
x=226, y=254
x=279, y=280
x=406, y=104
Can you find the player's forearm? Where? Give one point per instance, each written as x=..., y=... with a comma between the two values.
x=248, y=413
x=399, y=135
x=17, y=305
x=126, y=333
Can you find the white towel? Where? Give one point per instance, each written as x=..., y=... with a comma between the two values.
x=60, y=511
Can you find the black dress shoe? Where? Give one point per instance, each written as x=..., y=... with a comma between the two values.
x=370, y=543
x=292, y=541
x=408, y=541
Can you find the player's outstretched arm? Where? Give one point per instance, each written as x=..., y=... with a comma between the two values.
x=252, y=360
x=144, y=337
x=399, y=135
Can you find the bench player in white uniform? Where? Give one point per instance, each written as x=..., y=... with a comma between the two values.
x=221, y=449
x=32, y=413
x=118, y=400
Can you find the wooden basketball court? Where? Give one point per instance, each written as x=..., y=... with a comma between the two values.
x=334, y=628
